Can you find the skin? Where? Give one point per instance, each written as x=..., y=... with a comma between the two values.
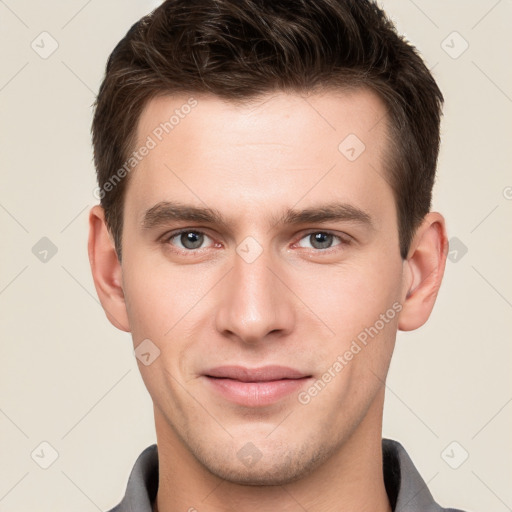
x=296, y=304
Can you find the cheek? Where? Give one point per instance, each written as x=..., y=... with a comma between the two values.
x=145, y=282
x=152, y=296
x=351, y=297
x=157, y=311
x=361, y=305
x=167, y=305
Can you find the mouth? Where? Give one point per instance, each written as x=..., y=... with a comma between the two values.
x=255, y=387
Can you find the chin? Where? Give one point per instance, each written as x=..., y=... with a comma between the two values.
x=272, y=468
x=260, y=477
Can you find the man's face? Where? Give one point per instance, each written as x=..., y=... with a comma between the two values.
x=260, y=284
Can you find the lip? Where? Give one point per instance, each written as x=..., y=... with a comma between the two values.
x=255, y=387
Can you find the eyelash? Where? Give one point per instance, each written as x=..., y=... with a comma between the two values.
x=344, y=240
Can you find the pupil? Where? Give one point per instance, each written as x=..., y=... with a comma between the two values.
x=191, y=240
x=321, y=240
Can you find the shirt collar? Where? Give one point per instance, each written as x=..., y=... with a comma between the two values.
x=406, y=489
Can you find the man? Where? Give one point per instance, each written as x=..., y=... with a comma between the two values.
x=265, y=171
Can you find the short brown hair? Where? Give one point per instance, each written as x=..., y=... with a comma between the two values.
x=239, y=49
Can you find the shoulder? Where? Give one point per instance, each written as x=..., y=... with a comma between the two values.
x=407, y=491
x=142, y=484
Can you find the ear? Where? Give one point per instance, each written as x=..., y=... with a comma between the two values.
x=106, y=270
x=423, y=271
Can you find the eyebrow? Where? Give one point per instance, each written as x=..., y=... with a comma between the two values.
x=167, y=211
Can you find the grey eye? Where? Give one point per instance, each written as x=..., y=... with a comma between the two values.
x=190, y=239
x=319, y=240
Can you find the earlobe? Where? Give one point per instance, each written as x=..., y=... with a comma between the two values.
x=423, y=271
x=106, y=270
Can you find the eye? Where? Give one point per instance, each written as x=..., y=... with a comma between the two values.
x=188, y=239
x=320, y=240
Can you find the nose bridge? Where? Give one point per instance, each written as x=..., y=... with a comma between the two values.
x=254, y=302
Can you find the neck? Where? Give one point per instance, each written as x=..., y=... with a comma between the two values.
x=351, y=479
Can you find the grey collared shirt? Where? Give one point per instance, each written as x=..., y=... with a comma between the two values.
x=406, y=489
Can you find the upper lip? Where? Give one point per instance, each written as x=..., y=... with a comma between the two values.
x=262, y=374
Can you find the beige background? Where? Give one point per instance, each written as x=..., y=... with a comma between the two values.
x=68, y=378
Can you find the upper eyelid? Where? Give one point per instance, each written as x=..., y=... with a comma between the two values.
x=176, y=232
x=341, y=237
x=168, y=236
x=325, y=232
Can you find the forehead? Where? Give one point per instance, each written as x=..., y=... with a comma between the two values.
x=271, y=118
x=275, y=149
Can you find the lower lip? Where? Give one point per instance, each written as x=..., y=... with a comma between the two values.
x=256, y=394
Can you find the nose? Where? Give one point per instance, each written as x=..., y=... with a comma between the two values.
x=255, y=305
